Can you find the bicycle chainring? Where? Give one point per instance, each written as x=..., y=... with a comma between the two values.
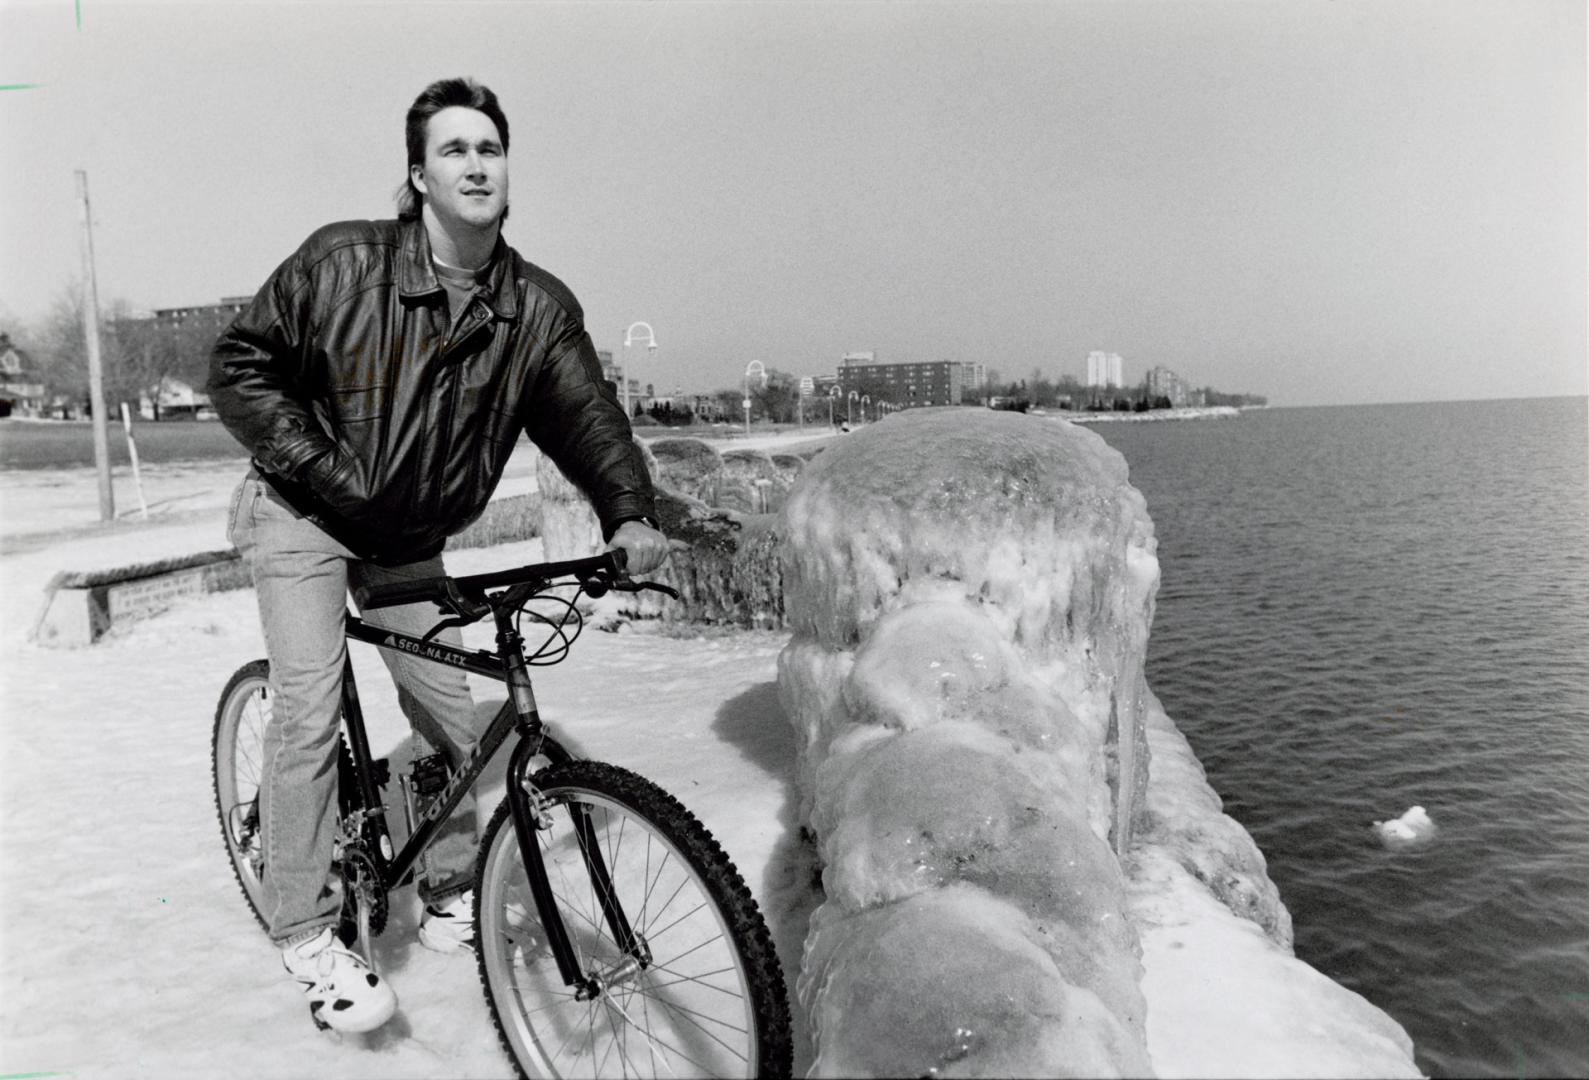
x=361, y=884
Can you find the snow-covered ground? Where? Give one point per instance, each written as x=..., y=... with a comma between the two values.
x=127, y=951
x=126, y=948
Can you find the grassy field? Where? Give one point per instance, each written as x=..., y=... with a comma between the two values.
x=55, y=444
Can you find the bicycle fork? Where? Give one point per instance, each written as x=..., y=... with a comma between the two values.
x=531, y=815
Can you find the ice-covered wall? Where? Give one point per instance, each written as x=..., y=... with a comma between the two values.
x=1015, y=884
x=970, y=593
x=1029, y=531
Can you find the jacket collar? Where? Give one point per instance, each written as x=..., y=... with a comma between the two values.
x=417, y=275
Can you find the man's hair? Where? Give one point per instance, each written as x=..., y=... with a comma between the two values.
x=439, y=95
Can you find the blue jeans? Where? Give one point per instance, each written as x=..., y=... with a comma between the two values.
x=302, y=577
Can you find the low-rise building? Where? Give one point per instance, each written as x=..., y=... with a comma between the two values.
x=216, y=316
x=21, y=388
x=174, y=398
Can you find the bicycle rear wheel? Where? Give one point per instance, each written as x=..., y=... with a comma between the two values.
x=711, y=1000
x=237, y=758
x=237, y=763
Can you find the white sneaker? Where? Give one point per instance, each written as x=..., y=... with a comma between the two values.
x=449, y=926
x=344, y=994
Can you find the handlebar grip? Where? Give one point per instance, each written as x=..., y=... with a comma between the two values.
x=463, y=593
x=398, y=592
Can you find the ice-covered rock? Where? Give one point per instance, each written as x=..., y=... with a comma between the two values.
x=1224, y=1000
x=790, y=464
x=970, y=595
x=757, y=481
x=955, y=982
x=724, y=565
x=1029, y=523
x=1186, y=822
x=688, y=466
x=1411, y=829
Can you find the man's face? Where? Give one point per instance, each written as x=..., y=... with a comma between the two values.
x=465, y=175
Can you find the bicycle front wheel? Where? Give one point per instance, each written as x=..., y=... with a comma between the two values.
x=710, y=1001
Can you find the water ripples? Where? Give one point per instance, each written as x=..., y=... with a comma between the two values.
x=1367, y=609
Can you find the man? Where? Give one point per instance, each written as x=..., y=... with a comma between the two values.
x=380, y=379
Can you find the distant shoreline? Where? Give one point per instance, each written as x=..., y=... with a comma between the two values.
x=1210, y=412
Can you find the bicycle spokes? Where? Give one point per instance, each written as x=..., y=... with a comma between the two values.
x=654, y=919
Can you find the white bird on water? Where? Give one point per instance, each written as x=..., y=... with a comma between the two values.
x=1411, y=828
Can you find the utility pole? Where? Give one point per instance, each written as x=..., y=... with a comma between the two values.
x=96, y=378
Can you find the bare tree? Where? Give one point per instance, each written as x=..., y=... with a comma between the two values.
x=778, y=398
x=61, y=348
x=154, y=354
x=136, y=353
x=728, y=403
x=135, y=362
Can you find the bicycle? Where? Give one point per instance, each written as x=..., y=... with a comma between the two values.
x=613, y=935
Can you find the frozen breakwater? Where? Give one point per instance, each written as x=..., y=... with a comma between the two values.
x=1019, y=851
x=1203, y=412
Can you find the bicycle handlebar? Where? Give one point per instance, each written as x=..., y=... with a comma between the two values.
x=466, y=596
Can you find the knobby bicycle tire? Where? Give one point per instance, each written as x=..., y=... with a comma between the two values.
x=236, y=760
x=712, y=1000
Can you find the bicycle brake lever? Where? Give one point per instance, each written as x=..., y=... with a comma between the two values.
x=445, y=624
x=468, y=610
x=599, y=588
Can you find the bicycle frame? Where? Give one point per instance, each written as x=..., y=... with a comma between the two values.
x=507, y=665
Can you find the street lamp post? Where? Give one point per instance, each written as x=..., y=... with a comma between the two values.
x=832, y=394
x=755, y=367
x=628, y=339
x=849, y=407
x=866, y=399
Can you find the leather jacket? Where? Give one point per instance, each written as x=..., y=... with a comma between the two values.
x=389, y=426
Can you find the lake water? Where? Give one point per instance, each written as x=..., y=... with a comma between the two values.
x=1363, y=609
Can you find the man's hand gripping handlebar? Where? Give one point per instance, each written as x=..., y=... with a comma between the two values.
x=645, y=546
x=469, y=599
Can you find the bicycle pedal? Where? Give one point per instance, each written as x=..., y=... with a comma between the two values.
x=429, y=775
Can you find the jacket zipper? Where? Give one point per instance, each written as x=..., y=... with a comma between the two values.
x=467, y=329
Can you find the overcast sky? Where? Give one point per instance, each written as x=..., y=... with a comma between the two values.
x=1323, y=202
